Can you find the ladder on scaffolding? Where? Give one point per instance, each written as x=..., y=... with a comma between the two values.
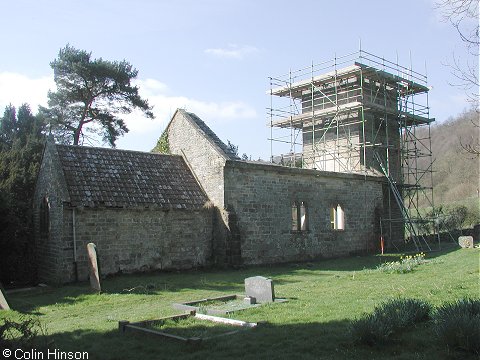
x=399, y=200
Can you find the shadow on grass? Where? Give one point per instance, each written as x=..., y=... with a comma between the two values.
x=312, y=340
x=30, y=302
x=431, y=254
x=219, y=281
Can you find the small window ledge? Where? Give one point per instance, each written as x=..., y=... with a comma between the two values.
x=299, y=232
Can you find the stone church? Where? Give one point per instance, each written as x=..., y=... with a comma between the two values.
x=198, y=206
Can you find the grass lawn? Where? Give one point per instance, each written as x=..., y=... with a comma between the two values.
x=323, y=298
x=193, y=328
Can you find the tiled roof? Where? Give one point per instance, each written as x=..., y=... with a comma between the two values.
x=121, y=178
x=212, y=137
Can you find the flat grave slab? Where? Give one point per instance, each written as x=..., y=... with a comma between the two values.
x=258, y=290
x=189, y=328
x=221, y=305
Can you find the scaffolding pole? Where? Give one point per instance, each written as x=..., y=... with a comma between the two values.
x=359, y=113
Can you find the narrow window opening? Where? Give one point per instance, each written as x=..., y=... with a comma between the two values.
x=295, y=216
x=299, y=216
x=337, y=218
x=303, y=216
x=44, y=217
x=333, y=214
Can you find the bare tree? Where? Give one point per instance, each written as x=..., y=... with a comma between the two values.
x=470, y=140
x=463, y=15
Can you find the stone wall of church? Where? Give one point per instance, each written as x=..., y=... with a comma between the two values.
x=132, y=240
x=263, y=198
x=51, y=190
x=201, y=155
x=127, y=239
x=206, y=160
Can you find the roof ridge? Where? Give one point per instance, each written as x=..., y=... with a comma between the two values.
x=211, y=136
x=115, y=149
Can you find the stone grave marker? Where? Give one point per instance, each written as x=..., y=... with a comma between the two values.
x=93, y=267
x=465, y=242
x=3, y=301
x=260, y=288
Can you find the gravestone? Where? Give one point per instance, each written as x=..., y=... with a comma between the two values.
x=3, y=301
x=93, y=267
x=465, y=242
x=260, y=288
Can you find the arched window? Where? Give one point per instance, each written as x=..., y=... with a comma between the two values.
x=303, y=216
x=337, y=218
x=295, y=221
x=299, y=216
x=44, y=217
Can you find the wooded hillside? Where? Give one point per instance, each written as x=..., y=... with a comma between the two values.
x=456, y=172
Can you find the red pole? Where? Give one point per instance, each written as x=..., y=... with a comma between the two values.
x=382, y=243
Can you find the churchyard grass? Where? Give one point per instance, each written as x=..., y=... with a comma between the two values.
x=324, y=298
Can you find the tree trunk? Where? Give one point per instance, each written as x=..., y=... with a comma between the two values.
x=76, y=135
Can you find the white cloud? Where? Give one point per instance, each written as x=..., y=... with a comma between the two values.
x=17, y=89
x=144, y=132
x=232, y=51
x=151, y=87
x=165, y=105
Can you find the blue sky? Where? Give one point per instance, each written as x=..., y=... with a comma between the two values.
x=214, y=57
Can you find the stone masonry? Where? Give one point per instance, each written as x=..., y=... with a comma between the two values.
x=254, y=201
x=206, y=156
x=143, y=212
x=199, y=206
x=130, y=240
x=262, y=196
x=51, y=186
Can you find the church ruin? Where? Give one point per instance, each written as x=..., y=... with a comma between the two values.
x=349, y=178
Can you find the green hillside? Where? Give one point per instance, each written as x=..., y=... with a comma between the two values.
x=455, y=171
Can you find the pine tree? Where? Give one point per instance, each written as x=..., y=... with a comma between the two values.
x=91, y=96
x=21, y=144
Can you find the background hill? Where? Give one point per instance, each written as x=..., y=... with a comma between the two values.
x=456, y=172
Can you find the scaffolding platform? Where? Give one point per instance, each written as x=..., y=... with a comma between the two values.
x=358, y=113
x=298, y=121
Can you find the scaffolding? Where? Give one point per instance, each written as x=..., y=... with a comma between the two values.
x=360, y=113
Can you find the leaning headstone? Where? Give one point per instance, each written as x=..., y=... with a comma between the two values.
x=465, y=242
x=93, y=267
x=260, y=288
x=3, y=301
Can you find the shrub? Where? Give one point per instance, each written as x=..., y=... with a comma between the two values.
x=387, y=319
x=23, y=334
x=404, y=265
x=371, y=330
x=163, y=145
x=457, y=325
x=404, y=312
